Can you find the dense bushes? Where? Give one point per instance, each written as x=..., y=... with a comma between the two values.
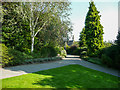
x=61, y=51
x=48, y=51
x=73, y=50
x=111, y=56
x=6, y=57
x=11, y=57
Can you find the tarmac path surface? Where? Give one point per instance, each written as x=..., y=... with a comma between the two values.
x=70, y=59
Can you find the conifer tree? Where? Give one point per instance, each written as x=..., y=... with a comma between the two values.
x=82, y=42
x=93, y=30
x=118, y=38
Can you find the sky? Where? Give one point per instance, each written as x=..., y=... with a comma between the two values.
x=109, y=17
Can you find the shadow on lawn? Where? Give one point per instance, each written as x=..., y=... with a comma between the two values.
x=75, y=78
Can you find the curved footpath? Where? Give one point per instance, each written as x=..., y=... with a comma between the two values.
x=70, y=59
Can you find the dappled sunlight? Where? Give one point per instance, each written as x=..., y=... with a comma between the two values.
x=73, y=71
x=74, y=78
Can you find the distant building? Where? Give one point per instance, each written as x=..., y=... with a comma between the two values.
x=70, y=42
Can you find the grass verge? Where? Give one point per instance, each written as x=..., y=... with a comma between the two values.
x=93, y=60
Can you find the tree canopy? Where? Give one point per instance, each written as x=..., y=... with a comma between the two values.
x=27, y=25
x=93, y=29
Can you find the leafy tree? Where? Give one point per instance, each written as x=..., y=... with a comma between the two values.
x=40, y=14
x=82, y=39
x=22, y=28
x=93, y=30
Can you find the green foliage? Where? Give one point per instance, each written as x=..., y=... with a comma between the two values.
x=93, y=60
x=18, y=57
x=82, y=39
x=83, y=52
x=111, y=56
x=12, y=57
x=16, y=29
x=107, y=44
x=63, y=53
x=118, y=38
x=93, y=30
x=73, y=50
x=106, y=60
x=48, y=51
x=75, y=43
x=67, y=46
x=6, y=57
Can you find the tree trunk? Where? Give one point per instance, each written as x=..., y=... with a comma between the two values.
x=32, y=45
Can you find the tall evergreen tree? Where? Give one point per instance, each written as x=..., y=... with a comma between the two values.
x=93, y=30
x=82, y=42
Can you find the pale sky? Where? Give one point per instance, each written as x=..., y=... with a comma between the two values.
x=109, y=17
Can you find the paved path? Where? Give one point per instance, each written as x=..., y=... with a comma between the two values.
x=24, y=69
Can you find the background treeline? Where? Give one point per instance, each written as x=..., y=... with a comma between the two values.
x=33, y=30
x=91, y=46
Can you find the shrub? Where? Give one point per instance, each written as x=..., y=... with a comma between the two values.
x=48, y=51
x=12, y=57
x=67, y=46
x=112, y=51
x=106, y=60
x=6, y=57
x=73, y=50
x=63, y=53
x=107, y=44
x=111, y=56
x=83, y=52
x=18, y=57
x=76, y=51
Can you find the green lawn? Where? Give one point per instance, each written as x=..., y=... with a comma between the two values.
x=72, y=76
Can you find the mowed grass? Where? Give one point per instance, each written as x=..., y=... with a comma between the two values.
x=71, y=76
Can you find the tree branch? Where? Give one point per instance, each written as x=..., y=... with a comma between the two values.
x=40, y=29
